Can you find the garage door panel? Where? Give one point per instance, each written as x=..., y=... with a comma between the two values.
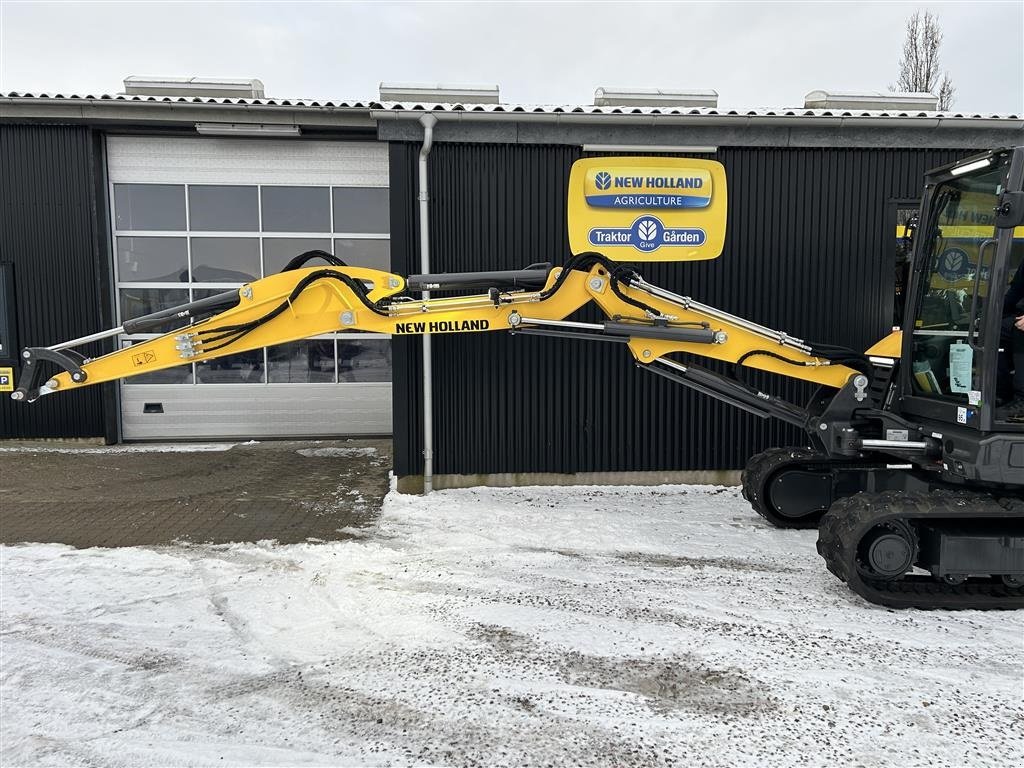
x=241, y=209
x=247, y=161
x=244, y=411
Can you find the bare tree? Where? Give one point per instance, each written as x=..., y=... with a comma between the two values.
x=919, y=67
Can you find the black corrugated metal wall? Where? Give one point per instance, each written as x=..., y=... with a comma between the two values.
x=807, y=251
x=49, y=230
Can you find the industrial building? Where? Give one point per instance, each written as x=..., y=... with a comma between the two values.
x=113, y=206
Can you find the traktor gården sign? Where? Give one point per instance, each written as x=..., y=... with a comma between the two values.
x=647, y=208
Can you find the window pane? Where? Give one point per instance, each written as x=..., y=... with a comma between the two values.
x=375, y=254
x=301, y=361
x=904, y=257
x=214, y=208
x=278, y=251
x=296, y=209
x=149, y=206
x=362, y=209
x=152, y=259
x=955, y=272
x=243, y=368
x=368, y=360
x=181, y=374
x=225, y=259
x=136, y=302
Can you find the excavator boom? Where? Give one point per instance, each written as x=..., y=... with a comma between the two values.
x=305, y=301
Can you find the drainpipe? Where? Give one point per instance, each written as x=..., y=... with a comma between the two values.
x=428, y=122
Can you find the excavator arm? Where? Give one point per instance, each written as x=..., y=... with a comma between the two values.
x=304, y=301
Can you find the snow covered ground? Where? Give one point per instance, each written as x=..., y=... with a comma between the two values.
x=126, y=448
x=531, y=626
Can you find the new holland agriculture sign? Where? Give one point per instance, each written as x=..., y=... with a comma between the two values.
x=638, y=187
x=647, y=208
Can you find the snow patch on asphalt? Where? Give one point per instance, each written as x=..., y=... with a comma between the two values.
x=132, y=448
x=614, y=626
x=323, y=453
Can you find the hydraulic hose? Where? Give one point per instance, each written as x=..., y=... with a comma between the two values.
x=229, y=334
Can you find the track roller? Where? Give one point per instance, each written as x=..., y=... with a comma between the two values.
x=945, y=549
x=794, y=487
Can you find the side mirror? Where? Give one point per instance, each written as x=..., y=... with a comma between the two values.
x=1010, y=211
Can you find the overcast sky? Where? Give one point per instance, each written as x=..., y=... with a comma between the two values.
x=754, y=54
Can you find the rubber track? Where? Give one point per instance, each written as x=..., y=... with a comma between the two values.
x=762, y=468
x=849, y=519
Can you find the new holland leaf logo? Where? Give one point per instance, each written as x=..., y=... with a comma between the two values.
x=603, y=180
x=954, y=264
x=647, y=230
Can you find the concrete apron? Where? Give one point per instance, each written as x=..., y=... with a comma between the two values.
x=414, y=483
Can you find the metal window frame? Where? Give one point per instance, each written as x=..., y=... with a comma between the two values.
x=258, y=235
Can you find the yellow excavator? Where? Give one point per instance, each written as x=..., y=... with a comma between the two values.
x=913, y=468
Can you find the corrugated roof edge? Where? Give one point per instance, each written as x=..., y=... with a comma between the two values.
x=681, y=111
x=510, y=109
x=125, y=98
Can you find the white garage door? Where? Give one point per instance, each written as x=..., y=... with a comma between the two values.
x=197, y=216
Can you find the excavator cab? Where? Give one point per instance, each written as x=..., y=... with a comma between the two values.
x=960, y=334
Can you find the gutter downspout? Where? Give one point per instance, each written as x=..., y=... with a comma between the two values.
x=428, y=122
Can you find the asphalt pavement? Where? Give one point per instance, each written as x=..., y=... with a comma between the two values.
x=139, y=495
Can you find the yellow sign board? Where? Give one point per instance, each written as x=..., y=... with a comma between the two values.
x=6, y=379
x=647, y=208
